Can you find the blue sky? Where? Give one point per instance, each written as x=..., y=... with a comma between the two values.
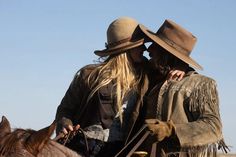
x=43, y=43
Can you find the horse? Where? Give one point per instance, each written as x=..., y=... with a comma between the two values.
x=31, y=143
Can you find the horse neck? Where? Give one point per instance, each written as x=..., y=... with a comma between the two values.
x=56, y=149
x=9, y=147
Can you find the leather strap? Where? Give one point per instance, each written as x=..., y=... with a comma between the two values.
x=154, y=150
x=138, y=143
x=135, y=136
x=68, y=137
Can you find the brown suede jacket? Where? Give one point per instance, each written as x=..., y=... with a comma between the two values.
x=74, y=108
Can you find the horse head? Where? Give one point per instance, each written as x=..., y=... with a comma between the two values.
x=18, y=140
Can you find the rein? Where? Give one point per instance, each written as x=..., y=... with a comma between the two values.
x=64, y=139
x=140, y=141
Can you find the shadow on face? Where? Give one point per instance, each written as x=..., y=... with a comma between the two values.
x=136, y=54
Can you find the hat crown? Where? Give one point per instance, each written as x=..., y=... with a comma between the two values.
x=123, y=34
x=121, y=29
x=177, y=37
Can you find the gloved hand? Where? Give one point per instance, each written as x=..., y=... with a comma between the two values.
x=160, y=129
x=65, y=126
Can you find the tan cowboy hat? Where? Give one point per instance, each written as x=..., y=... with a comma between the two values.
x=175, y=39
x=122, y=34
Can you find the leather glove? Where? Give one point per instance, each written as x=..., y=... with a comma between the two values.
x=63, y=123
x=160, y=129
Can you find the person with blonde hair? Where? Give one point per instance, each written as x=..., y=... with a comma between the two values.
x=102, y=97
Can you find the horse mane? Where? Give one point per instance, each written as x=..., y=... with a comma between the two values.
x=30, y=143
x=53, y=148
x=12, y=141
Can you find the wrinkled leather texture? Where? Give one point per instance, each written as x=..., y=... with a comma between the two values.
x=75, y=109
x=193, y=106
x=160, y=129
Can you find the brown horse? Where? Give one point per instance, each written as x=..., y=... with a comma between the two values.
x=30, y=143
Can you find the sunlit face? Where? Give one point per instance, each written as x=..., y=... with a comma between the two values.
x=136, y=54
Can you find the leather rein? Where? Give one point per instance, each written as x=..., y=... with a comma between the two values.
x=64, y=139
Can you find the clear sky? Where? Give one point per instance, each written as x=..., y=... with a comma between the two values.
x=43, y=43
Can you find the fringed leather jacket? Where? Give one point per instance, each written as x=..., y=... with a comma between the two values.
x=193, y=106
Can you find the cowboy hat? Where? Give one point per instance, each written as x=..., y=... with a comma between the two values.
x=175, y=39
x=122, y=34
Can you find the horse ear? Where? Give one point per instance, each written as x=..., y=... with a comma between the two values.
x=38, y=139
x=4, y=126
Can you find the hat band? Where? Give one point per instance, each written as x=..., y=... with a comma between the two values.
x=174, y=45
x=110, y=45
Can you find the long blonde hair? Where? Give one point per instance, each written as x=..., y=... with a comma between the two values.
x=120, y=70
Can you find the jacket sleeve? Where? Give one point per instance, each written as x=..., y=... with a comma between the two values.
x=70, y=102
x=205, y=128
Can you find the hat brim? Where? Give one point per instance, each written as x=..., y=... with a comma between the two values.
x=153, y=36
x=120, y=48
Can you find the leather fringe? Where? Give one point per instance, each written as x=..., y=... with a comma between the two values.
x=201, y=151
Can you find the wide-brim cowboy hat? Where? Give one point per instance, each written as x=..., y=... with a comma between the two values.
x=175, y=39
x=122, y=34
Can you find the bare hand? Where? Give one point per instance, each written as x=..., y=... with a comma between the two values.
x=69, y=128
x=175, y=75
